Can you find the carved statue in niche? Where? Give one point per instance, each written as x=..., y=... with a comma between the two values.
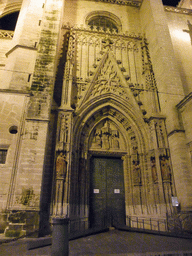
x=136, y=173
x=61, y=166
x=154, y=170
x=165, y=168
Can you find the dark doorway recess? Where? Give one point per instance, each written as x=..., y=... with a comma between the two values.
x=107, y=196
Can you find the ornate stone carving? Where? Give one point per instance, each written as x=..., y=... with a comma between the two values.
x=108, y=82
x=106, y=137
x=63, y=131
x=147, y=67
x=121, y=2
x=6, y=34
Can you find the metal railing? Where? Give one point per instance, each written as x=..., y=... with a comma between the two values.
x=147, y=223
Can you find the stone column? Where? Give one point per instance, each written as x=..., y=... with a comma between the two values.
x=60, y=239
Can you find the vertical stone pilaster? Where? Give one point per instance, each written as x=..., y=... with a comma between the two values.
x=162, y=175
x=155, y=27
x=63, y=152
x=170, y=89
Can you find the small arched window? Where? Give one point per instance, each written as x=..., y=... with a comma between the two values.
x=102, y=23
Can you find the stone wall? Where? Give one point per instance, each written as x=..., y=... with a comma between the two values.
x=181, y=36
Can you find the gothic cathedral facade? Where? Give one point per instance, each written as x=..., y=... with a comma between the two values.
x=96, y=115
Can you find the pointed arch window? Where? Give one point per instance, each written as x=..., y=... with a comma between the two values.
x=103, y=23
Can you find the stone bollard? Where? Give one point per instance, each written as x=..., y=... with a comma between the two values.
x=60, y=237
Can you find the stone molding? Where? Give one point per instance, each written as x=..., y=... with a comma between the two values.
x=10, y=8
x=175, y=131
x=178, y=10
x=107, y=153
x=20, y=46
x=38, y=120
x=156, y=116
x=108, y=32
x=6, y=34
x=15, y=91
x=184, y=101
x=121, y=2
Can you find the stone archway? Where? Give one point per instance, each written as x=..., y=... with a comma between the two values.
x=107, y=132
x=111, y=129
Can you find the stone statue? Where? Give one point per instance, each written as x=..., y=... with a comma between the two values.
x=165, y=168
x=61, y=166
x=154, y=170
x=60, y=185
x=136, y=173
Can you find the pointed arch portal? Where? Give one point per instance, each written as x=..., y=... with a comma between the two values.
x=107, y=138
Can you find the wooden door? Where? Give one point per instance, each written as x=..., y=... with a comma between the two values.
x=107, y=199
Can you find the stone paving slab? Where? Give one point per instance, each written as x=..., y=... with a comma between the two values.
x=114, y=242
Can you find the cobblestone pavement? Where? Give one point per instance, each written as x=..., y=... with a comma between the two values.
x=113, y=242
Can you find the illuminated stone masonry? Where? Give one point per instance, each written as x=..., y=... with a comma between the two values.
x=89, y=82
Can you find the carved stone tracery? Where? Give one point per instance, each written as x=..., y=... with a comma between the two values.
x=108, y=82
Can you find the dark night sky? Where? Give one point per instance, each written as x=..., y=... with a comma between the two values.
x=171, y=2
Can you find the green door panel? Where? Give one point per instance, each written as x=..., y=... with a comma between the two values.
x=107, y=199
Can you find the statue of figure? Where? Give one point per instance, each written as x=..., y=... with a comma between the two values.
x=106, y=133
x=115, y=139
x=136, y=173
x=165, y=168
x=61, y=166
x=97, y=139
x=154, y=170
